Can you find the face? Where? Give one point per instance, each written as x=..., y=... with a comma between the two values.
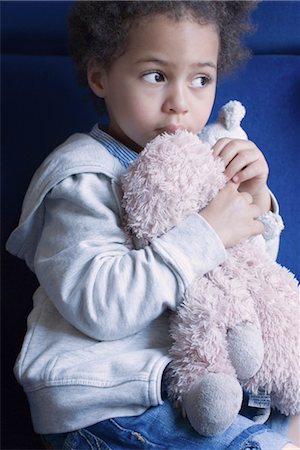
x=165, y=80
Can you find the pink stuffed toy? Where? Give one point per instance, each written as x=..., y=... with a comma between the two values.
x=238, y=326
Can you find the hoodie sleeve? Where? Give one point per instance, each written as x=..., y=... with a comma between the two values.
x=101, y=286
x=273, y=227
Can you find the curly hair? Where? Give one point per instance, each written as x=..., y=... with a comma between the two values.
x=98, y=30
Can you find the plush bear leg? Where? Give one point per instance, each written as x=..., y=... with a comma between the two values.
x=213, y=403
x=246, y=349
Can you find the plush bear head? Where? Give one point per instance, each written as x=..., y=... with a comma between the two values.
x=175, y=175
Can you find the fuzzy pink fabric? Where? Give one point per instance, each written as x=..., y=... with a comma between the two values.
x=174, y=176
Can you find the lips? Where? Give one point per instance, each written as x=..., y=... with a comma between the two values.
x=171, y=128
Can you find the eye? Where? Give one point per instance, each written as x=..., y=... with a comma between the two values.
x=154, y=77
x=200, y=81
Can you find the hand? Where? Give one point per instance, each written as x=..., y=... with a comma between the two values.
x=232, y=215
x=245, y=165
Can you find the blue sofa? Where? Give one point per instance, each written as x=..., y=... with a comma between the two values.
x=42, y=105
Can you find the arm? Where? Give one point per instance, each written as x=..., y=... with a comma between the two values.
x=96, y=282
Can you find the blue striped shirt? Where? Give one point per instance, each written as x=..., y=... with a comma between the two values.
x=115, y=148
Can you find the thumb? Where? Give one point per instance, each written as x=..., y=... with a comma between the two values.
x=233, y=184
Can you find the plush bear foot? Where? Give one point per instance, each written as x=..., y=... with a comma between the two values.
x=246, y=349
x=213, y=403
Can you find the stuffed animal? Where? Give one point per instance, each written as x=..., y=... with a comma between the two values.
x=238, y=326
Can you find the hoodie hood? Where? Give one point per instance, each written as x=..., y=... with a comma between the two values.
x=88, y=156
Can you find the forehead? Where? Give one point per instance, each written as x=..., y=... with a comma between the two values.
x=181, y=39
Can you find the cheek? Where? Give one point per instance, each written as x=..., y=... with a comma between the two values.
x=139, y=113
x=141, y=104
x=136, y=121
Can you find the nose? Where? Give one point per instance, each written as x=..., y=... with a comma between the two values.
x=175, y=101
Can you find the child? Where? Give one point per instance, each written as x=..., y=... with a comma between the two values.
x=96, y=349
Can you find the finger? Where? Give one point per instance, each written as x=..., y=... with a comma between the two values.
x=255, y=210
x=231, y=145
x=232, y=185
x=240, y=162
x=258, y=227
x=228, y=153
x=254, y=170
x=219, y=145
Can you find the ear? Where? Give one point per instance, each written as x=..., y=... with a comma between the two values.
x=96, y=78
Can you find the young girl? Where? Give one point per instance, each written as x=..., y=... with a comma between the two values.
x=94, y=356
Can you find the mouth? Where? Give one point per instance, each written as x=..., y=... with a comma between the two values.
x=170, y=129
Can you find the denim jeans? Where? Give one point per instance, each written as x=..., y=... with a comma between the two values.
x=162, y=427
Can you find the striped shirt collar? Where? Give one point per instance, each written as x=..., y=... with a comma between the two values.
x=115, y=148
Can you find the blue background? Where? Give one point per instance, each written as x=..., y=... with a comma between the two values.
x=42, y=105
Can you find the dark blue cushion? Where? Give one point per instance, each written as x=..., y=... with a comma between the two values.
x=277, y=28
x=35, y=27
x=42, y=104
x=40, y=110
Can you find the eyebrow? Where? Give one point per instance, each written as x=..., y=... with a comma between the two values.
x=165, y=63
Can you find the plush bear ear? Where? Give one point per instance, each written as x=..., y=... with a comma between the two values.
x=231, y=115
x=227, y=124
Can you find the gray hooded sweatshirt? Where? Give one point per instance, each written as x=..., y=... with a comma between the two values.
x=97, y=340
